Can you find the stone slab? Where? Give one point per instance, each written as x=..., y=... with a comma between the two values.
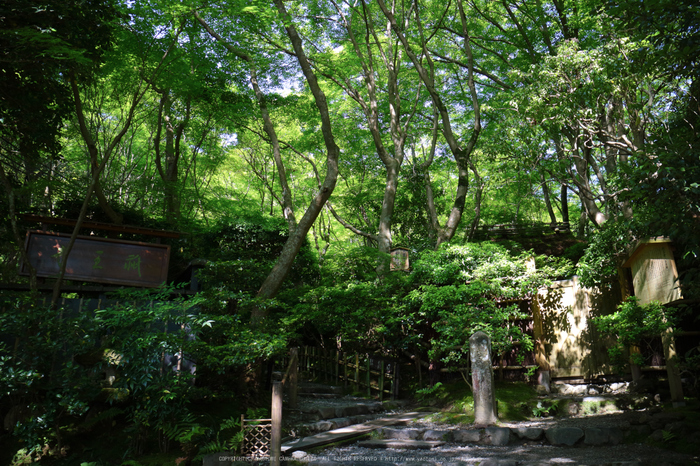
x=399, y=443
x=467, y=436
x=529, y=433
x=564, y=435
x=344, y=433
x=401, y=434
x=497, y=435
x=437, y=435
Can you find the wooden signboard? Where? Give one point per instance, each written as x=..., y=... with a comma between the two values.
x=654, y=273
x=100, y=260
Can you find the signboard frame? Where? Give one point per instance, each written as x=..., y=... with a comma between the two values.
x=99, y=260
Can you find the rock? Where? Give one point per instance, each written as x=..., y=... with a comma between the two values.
x=561, y=388
x=467, y=435
x=677, y=428
x=321, y=426
x=443, y=435
x=657, y=435
x=616, y=436
x=401, y=434
x=693, y=438
x=541, y=390
x=596, y=435
x=339, y=422
x=595, y=390
x=618, y=387
x=299, y=455
x=573, y=408
x=397, y=443
x=572, y=390
x=376, y=408
x=638, y=431
x=529, y=433
x=498, y=462
x=363, y=409
x=497, y=435
x=390, y=405
x=564, y=435
x=327, y=412
x=659, y=420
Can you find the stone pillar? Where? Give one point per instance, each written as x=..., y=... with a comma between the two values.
x=276, y=436
x=674, y=376
x=482, y=379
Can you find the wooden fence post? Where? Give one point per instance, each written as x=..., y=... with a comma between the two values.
x=357, y=372
x=345, y=370
x=395, y=381
x=276, y=436
x=337, y=367
x=326, y=369
x=381, y=380
x=369, y=376
x=293, y=377
x=242, y=433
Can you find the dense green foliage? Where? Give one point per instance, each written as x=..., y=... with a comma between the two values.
x=630, y=325
x=430, y=312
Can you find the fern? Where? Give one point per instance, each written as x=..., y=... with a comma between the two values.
x=668, y=436
x=187, y=430
x=224, y=442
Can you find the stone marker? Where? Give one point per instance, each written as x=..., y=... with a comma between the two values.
x=482, y=379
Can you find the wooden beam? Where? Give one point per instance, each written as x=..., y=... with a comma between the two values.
x=131, y=229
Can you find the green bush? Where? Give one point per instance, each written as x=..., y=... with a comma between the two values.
x=630, y=325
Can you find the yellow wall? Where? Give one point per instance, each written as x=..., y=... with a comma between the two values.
x=571, y=346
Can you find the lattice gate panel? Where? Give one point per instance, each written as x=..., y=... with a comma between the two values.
x=256, y=437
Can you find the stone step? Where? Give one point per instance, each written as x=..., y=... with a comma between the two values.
x=403, y=444
x=320, y=395
x=336, y=423
x=349, y=432
x=569, y=436
x=345, y=410
x=307, y=388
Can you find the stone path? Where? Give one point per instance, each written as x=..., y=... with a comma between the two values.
x=406, y=439
x=490, y=455
x=348, y=432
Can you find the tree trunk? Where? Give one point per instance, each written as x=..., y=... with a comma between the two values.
x=273, y=282
x=547, y=201
x=564, y=204
x=461, y=152
x=387, y=212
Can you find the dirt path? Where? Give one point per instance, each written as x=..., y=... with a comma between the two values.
x=532, y=453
